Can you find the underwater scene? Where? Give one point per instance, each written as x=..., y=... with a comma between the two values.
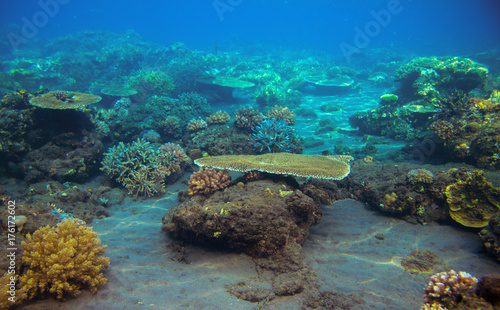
x=249, y=154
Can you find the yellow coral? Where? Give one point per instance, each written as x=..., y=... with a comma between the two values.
x=62, y=259
x=473, y=201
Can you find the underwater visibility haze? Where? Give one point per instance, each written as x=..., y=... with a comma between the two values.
x=238, y=154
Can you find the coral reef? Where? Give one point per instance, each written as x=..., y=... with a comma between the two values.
x=490, y=235
x=281, y=113
x=172, y=126
x=195, y=102
x=220, y=140
x=273, y=136
x=489, y=289
x=141, y=168
x=218, y=118
x=316, y=166
x=448, y=288
x=472, y=200
x=207, y=181
x=61, y=100
x=255, y=219
x=196, y=125
x=62, y=260
x=247, y=118
x=420, y=176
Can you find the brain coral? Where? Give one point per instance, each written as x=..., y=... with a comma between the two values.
x=207, y=181
x=63, y=259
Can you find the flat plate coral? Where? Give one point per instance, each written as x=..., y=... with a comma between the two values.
x=316, y=166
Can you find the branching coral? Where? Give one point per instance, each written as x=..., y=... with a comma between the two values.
x=218, y=118
x=172, y=126
x=282, y=113
x=446, y=288
x=273, y=135
x=247, y=118
x=420, y=176
x=207, y=181
x=62, y=260
x=196, y=125
x=141, y=168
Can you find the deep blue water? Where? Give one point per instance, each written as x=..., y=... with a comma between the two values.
x=422, y=27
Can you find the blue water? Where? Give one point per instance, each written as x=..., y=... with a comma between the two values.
x=424, y=27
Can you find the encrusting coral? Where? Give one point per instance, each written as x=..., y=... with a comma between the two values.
x=473, y=200
x=207, y=181
x=316, y=166
x=63, y=259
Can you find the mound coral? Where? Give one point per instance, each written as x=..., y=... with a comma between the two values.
x=62, y=260
x=273, y=136
x=218, y=118
x=196, y=125
x=247, y=118
x=280, y=113
x=420, y=176
x=446, y=288
x=316, y=166
x=473, y=200
x=207, y=181
x=140, y=168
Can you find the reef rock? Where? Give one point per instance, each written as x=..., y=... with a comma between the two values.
x=260, y=218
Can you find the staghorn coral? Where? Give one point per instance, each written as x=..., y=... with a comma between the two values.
x=62, y=260
x=472, y=200
x=316, y=166
x=282, y=113
x=207, y=181
x=447, y=288
x=139, y=167
x=273, y=136
x=218, y=118
x=247, y=118
x=196, y=125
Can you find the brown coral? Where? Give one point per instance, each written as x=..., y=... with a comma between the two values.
x=420, y=176
x=442, y=129
x=172, y=126
x=446, y=287
x=218, y=118
x=207, y=181
x=196, y=125
x=62, y=260
x=282, y=113
x=247, y=118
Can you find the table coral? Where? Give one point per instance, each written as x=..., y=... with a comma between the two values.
x=63, y=259
x=207, y=181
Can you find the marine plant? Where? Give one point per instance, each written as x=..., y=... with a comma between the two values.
x=273, y=136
